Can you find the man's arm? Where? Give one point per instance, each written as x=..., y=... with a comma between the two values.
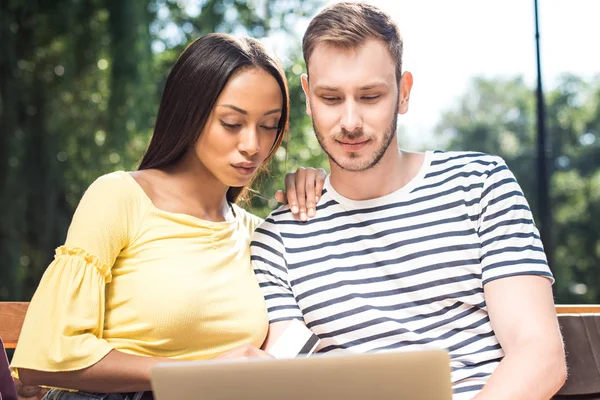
x=275, y=331
x=517, y=288
x=522, y=314
x=291, y=339
x=268, y=257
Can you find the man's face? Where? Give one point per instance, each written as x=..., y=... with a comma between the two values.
x=353, y=98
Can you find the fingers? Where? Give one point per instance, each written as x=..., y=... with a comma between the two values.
x=290, y=191
x=320, y=183
x=258, y=353
x=245, y=351
x=310, y=181
x=301, y=183
x=303, y=189
x=229, y=354
x=281, y=197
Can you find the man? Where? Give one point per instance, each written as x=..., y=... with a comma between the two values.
x=407, y=250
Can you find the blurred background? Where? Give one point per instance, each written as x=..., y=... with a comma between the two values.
x=80, y=82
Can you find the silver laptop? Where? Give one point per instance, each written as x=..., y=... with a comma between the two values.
x=410, y=375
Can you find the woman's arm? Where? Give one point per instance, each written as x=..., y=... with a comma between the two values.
x=116, y=372
x=69, y=303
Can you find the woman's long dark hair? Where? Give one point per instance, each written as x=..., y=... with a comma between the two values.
x=191, y=91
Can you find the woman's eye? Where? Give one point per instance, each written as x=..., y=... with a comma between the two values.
x=230, y=126
x=270, y=128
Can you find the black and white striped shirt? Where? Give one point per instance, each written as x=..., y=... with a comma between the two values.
x=407, y=270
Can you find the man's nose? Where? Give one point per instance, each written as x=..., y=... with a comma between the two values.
x=351, y=119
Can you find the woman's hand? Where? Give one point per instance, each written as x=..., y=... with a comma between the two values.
x=303, y=190
x=245, y=351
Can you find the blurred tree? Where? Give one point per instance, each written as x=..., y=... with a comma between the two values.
x=46, y=51
x=79, y=87
x=498, y=117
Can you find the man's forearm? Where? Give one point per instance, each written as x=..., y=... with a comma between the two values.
x=529, y=374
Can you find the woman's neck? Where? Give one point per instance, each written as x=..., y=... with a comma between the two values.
x=197, y=190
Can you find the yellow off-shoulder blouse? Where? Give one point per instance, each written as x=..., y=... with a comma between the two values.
x=143, y=281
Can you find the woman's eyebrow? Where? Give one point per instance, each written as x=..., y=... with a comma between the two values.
x=244, y=112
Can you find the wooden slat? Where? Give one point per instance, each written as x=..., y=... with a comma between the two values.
x=12, y=315
x=578, y=309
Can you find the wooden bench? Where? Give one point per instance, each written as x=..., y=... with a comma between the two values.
x=12, y=315
x=578, y=309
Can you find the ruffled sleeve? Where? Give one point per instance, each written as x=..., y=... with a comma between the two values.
x=64, y=323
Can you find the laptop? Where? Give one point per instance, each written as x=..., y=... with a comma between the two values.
x=410, y=375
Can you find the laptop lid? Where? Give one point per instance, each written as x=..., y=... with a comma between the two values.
x=414, y=375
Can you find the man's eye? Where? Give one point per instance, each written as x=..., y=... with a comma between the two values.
x=371, y=98
x=330, y=99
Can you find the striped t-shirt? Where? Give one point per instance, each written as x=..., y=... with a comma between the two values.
x=407, y=270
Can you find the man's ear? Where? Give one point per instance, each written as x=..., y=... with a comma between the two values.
x=304, y=81
x=406, y=82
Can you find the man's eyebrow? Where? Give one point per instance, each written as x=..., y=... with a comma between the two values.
x=364, y=87
x=244, y=112
x=373, y=85
x=326, y=87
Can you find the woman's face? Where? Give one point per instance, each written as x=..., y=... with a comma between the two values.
x=241, y=128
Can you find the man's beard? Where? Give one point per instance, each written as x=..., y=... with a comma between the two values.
x=387, y=139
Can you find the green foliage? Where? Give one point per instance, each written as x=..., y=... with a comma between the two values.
x=80, y=83
x=498, y=117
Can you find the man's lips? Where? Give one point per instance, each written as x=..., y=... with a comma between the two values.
x=353, y=145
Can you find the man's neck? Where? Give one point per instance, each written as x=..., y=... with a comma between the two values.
x=393, y=172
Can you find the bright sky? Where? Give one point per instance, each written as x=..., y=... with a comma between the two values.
x=448, y=42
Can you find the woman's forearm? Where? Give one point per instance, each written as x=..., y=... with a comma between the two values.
x=116, y=372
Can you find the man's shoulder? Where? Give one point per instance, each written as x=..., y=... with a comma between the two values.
x=453, y=172
x=281, y=222
x=456, y=159
x=280, y=214
x=283, y=215
x=269, y=225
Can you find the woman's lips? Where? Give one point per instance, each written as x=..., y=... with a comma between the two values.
x=245, y=168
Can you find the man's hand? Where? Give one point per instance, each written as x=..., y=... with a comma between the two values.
x=303, y=190
x=245, y=351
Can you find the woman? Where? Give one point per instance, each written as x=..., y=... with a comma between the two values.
x=156, y=265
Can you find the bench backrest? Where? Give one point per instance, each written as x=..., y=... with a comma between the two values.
x=580, y=325
x=581, y=333
x=12, y=315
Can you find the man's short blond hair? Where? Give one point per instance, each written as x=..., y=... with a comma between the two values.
x=348, y=25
